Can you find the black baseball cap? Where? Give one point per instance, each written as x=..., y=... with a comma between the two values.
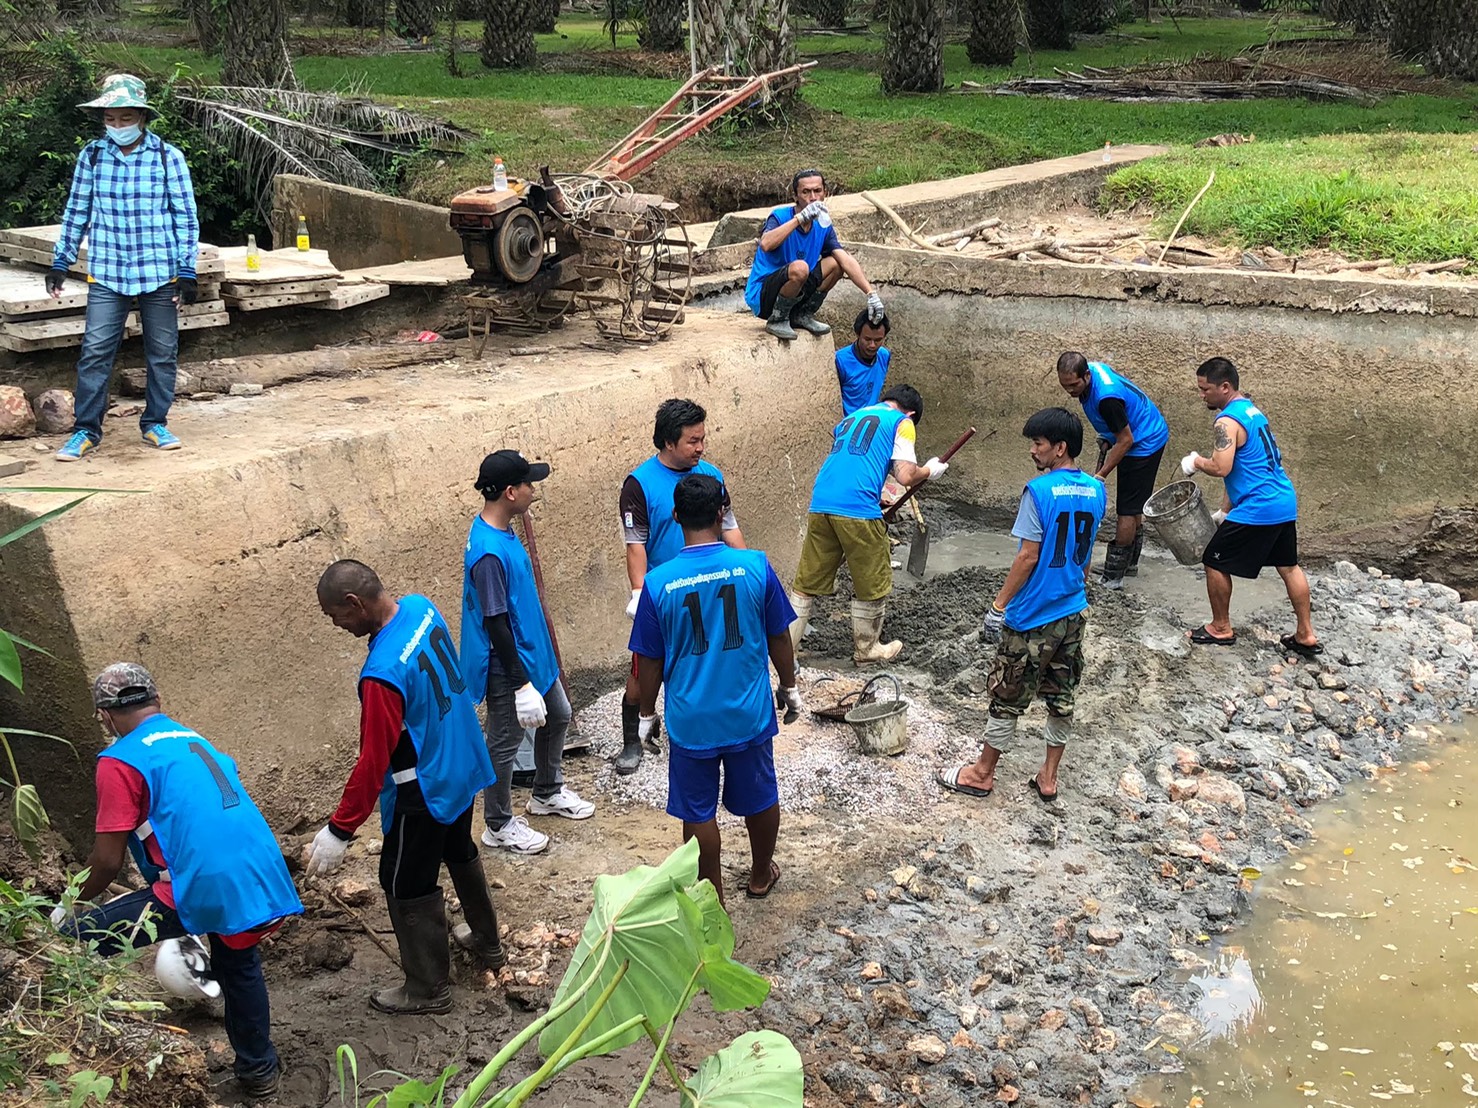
x=504, y=468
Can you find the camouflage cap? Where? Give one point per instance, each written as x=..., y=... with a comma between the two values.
x=124, y=685
x=121, y=90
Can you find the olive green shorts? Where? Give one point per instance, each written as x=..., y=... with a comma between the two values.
x=1046, y=660
x=832, y=540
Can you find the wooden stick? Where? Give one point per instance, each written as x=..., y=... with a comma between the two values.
x=1181, y=221
x=1011, y=249
x=946, y=456
x=393, y=955
x=944, y=237
x=898, y=221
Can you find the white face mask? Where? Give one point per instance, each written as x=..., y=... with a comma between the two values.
x=125, y=136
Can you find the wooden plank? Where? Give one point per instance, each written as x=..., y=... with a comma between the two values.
x=23, y=292
x=347, y=296
x=42, y=240
x=278, y=288
x=207, y=319
x=21, y=344
x=261, y=303
x=203, y=306
x=430, y=272
x=277, y=265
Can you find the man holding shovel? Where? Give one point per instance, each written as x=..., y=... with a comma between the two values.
x=1133, y=434
x=845, y=523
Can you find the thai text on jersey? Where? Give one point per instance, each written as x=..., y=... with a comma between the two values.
x=1150, y=430
x=415, y=655
x=799, y=245
x=1070, y=505
x=221, y=858
x=664, y=536
x=851, y=478
x=525, y=613
x=861, y=383
x=1257, y=485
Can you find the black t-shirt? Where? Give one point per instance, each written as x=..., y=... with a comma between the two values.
x=1114, y=413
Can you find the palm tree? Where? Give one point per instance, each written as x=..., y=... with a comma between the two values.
x=508, y=34
x=1047, y=25
x=662, y=24
x=913, y=54
x=744, y=36
x=994, y=28
x=1094, y=17
x=826, y=13
x=254, y=48
x=546, y=15
x=1454, y=45
x=205, y=21
x=416, y=19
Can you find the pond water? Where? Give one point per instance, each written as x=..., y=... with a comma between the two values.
x=1355, y=979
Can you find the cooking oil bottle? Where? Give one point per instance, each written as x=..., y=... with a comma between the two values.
x=302, y=232
x=253, y=255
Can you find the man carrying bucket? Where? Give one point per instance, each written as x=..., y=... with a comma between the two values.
x=1132, y=434
x=1258, y=519
x=709, y=621
x=1037, y=618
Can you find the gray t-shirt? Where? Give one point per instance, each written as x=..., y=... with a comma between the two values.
x=1028, y=523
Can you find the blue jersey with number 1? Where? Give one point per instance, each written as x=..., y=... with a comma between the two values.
x=851, y=478
x=708, y=614
x=414, y=654
x=1070, y=505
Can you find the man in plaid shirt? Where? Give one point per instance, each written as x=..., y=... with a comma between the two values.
x=132, y=199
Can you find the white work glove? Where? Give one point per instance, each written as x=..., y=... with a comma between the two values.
x=789, y=700
x=935, y=467
x=875, y=309
x=1218, y=517
x=1188, y=463
x=990, y=630
x=528, y=705
x=631, y=607
x=325, y=853
x=644, y=726
x=59, y=915
x=809, y=213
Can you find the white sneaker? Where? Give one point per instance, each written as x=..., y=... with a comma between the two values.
x=516, y=835
x=563, y=803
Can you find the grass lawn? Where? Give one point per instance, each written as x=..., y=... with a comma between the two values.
x=863, y=138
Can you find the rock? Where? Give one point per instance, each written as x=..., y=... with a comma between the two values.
x=17, y=421
x=969, y=1015
x=871, y=972
x=1187, y=959
x=354, y=893
x=981, y=983
x=1087, y=1010
x=904, y=874
x=204, y=397
x=892, y=1001
x=1179, y=1027
x=985, y=892
x=929, y=1049
x=1216, y=789
x=1044, y=834
x=325, y=949
x=1184, y=849
x=1331, y=681
x=1104, y=935
x=246, y=388
x=998, y=964
x=1132, y=783
x=1186, y=759
x=10, y=466
x=1052, y=1019
x=55, y=414
x=1183, y=788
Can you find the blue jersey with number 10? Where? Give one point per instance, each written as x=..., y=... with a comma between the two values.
x=851, y=478
x=414, y=654
x=715, y=608
x=1070, y=505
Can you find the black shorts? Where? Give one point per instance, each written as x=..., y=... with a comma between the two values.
x=1136, y=482
x=1244, y=549
x=770, y=290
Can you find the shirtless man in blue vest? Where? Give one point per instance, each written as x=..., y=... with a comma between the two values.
x=653, y=536
x=175, y=802
x=422, y=756
x=798, y=260
x=1258, y=517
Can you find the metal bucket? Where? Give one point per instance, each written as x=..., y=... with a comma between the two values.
x=1180, y=517
x=881, y=726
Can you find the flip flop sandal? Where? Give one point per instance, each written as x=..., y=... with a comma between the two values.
x=774, y=880
x=1202, y=637
x=950, y=779
x=1305, y=650
x=1047, y=798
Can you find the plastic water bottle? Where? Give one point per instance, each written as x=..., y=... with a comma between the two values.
x=1108, y=152
x=824, y=219
x=500, y=175
x=302, y=233
x=253, y=255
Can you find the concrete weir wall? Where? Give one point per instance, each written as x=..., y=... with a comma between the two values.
x=208, y=576
x=1368, y=383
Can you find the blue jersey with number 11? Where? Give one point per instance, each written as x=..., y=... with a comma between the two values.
x=1070, y=506
x=708, y=614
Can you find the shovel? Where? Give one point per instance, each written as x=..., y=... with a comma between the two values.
x=918, y=550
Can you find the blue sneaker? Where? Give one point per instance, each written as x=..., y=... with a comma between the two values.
x=79, y=444
x=161, y=436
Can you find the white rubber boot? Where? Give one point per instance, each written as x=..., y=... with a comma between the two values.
x=802, y=605
x=867, y=630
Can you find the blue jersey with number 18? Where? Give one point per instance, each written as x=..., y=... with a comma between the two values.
x=1070, y=505
x=708, y=614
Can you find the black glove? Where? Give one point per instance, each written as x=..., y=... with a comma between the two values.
x=54, y=280
x=187, y=290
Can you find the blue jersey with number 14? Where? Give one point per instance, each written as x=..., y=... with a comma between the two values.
x=1070, y=505
x=708, y=614
x=1258, y=487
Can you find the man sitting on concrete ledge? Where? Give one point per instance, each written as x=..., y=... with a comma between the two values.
x=799, y=260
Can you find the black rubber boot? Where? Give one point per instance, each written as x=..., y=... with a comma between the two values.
x=420, y=931
x=1115, y=562
x=630, y=757
x=779, y=321
x=1134, y=553
x=804, y=316
x=480, y=933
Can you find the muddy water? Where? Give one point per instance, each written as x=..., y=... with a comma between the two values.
x=1355, y=979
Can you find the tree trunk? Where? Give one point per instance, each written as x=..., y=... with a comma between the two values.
x=1454, y=45
x=359, y=13
x=1411, y=29
x=826, y=13
x=1094, y=17
x=546, y=14
x=415, y=19
x=205, y=21
x=508, y=34
x=995, y=26
x=662, y=24
x=254, y=48
x=913, y=54
x=1047, y=25
x=744, y=36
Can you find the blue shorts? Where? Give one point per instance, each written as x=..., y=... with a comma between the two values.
x=693, y=782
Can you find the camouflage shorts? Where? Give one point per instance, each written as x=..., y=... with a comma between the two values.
x=1046, y=660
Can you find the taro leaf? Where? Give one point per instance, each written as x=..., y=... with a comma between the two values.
x=418, y=1094
x=730, y=985
x=638, y=913
x=29, y=818
x=10, y=661
x=759, y=1069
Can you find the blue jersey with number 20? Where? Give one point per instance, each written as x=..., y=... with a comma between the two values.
x=708, y=614
x=851, y=478
x=1070, y=505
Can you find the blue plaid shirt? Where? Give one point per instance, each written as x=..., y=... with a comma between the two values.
x=138, y=213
